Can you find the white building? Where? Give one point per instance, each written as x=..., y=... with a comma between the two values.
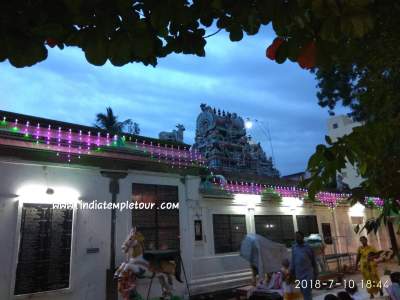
x=339, y=126
x=41, y=165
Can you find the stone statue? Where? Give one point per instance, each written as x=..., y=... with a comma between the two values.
x=174, y=135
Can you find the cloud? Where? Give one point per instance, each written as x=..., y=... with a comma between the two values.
x=235, y=77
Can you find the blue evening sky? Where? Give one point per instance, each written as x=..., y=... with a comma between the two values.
x=236, y=77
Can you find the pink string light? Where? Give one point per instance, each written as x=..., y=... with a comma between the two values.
x=331, y=200
x=379, y=202
x=56, y=140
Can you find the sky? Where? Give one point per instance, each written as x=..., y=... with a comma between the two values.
x=235, y=77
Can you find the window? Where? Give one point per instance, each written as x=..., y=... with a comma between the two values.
x=160, y=227
x=44, y=249
x=278, y=228
x=307, y=224
x=327, y=233
x=229, y=231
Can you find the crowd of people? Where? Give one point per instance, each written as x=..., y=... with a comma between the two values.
x=303, y=270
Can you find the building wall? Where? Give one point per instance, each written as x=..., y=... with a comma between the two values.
x=220, y=271
x=91, y=228
x=205, y=270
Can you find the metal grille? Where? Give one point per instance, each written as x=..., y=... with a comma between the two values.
x=45, y=249
x=278, y=228
x=229, y=231
x=159, y=227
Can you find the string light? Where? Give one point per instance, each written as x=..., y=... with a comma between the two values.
x=98, y=141
x=59, y=139
x=375, y=201
x=89, y=142
x=37, y=133
x=48, y=136
x=15, y=128
x=332, y=200
x=79, y=143
x=26, y=130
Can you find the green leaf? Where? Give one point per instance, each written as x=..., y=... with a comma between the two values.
x=143, y=46
x=358, y=26
x=346, y=25
x=281, y=53
x=252, y=26
x=293, y=50
x=24, y=52
x=328, y=140
x=3, y=50
x=206, y=20
x=329, y=29
x=95, y=47
x=120, y=51
x=318, y=7
x=236, y=34
x=45, y=31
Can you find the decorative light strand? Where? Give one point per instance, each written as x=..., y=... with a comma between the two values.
x=331, y=200
x=56, y=140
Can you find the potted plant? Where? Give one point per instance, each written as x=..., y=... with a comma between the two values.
x=270, y=194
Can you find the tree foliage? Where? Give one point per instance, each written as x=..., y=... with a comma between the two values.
x=109, y=121
x=364, y=77
x=124, y=31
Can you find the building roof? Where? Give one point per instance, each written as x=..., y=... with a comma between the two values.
x=40, y=139
x=22, y=119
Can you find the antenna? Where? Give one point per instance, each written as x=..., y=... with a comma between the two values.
x=266, y=131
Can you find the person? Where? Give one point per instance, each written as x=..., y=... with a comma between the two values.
x=303, y=266
x=394, y=289
x=366, y=255
x=330, y=297
x=343, y=296
x=354, y=293
x=289, y=290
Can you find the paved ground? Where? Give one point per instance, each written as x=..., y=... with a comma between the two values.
x=320, y=294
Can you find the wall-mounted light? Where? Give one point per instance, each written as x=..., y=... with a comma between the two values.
x=291, y=202
x=49, y=191
x=248, y=199
x=37, y=193
x=357, y=209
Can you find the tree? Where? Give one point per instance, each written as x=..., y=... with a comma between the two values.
x=133, y=127
x=109, y=122
x=363, y=77
x=124, y=31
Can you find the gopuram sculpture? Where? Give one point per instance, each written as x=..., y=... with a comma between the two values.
x=222, y=140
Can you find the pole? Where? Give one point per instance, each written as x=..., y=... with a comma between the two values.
x=335, y=240
x=393, y=240
x=111, y=284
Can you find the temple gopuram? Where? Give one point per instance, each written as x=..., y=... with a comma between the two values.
x=222, y=140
